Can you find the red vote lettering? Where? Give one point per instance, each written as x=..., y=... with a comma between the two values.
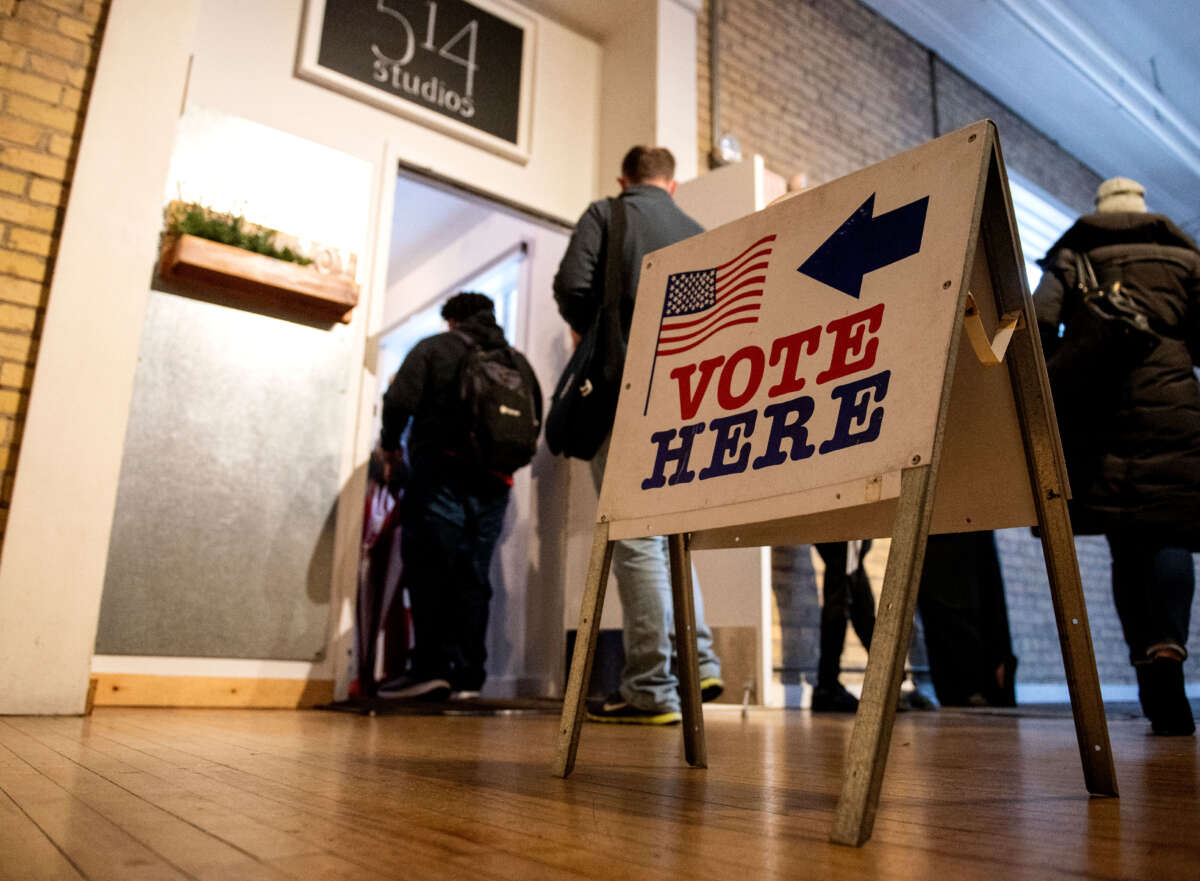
x=689, y=401
x=725, y=396
x=790, y=381
x=848, y=336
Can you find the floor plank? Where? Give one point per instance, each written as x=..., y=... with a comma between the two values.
x=96, y=846
x=324, y=795
x=157, y=842
x=28, y=855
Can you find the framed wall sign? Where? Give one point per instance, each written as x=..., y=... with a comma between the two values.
x=464, y=68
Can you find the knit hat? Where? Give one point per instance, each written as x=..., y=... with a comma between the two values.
x=1120, y=194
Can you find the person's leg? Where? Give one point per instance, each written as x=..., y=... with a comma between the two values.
x=648, y=679
x=397, y=615
x=1172, y=588
x=922, y=695
x=1001, y=669
x=642, y=570
x=862, y=601
x=1153, y=588
x=711, y=684
x=430, y=542
x=1149, y=586
x=948, y=598
x=475, y=593
x=834, y=592
x=366, y=624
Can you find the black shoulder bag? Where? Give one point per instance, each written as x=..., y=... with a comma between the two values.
x=585, y=400
x=1106, y=337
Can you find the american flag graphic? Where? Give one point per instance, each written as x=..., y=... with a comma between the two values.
x=704, y=302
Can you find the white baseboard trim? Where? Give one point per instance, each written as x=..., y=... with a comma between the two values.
x=1050, y=693
x=146, y=665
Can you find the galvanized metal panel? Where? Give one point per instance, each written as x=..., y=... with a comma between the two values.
x=223, y=533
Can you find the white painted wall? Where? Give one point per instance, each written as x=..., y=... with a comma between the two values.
x=649, y=87
x=628, y=103
x=676, y=121
x=56, y=542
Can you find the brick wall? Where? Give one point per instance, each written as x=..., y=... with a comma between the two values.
x=824, y=88
x=48, y=50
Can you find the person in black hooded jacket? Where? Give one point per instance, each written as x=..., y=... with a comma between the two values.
x=452, y=510
x=1130, y=425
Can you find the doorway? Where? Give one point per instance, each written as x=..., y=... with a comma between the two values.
x=444, y=240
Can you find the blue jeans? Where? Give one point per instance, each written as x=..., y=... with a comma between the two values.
x=450, y=527
x=642, y=567
x=1152, y=588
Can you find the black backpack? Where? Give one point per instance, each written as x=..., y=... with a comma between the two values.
x=499, y=416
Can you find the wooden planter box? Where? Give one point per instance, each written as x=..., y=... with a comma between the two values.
x=261, y=279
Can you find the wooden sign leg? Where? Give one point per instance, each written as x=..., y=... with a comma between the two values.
x=574, y=706
x=872, y=734
x=1047, y=473
x=1048, y=480
x=687, y=658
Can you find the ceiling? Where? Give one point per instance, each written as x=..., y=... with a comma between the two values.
x=426, y=219
x=1115, y=82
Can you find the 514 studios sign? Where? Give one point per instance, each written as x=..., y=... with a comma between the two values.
x=463, y=68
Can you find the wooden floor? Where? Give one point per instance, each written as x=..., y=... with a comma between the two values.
x=238, y=795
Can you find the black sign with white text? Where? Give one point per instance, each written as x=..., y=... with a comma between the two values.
x=450, y=57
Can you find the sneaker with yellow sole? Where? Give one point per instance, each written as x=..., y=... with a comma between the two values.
x=615, y=708
x=711, y=688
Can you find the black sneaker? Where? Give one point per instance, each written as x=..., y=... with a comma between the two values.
x=615, y=708
x=408, y=688
x=711, y=688
x=1164, y=697
x=833, y=699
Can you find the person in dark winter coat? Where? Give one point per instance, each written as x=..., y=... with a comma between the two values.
x=452, y=510
x=1130, y=420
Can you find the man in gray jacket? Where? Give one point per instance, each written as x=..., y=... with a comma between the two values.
x=649, y=692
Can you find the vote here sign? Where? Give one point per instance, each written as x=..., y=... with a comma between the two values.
x=793, y=361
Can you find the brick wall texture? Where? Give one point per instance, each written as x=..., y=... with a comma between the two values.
x=48, y=50
x=824, y=88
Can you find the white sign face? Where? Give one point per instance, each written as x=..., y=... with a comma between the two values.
x=792, y=361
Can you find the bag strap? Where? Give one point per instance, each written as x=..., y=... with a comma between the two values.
x=1085, y=275
x=616, y=243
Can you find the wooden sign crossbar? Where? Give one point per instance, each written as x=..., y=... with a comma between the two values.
x=834, y=372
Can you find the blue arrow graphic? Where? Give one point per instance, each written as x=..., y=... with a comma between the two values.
x=863, y=244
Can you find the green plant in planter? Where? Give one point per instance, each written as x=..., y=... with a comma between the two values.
x=190, y=218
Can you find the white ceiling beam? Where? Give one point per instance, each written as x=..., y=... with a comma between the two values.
x=1096, y=60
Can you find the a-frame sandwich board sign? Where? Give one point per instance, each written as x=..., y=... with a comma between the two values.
x=858, y=360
